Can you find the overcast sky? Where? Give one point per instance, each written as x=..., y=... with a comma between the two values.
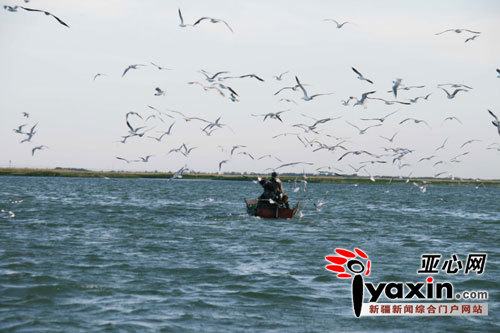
x=47, y=70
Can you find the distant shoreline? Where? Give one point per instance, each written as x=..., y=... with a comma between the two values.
x=349, y=179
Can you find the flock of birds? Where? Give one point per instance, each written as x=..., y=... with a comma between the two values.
x=28, y=134
x=156, y=125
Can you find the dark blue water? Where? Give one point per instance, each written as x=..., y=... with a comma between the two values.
x=150, y=255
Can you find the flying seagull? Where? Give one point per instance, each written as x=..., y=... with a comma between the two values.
x=159, y=92
x=97, y=75
x=131, y=67
x=395, y=86
x=291, y=164
x=391, y=139
x=357, y=152
x=221, y=163
x=271, y=115
x=247, y=154
x=168, y=132
x=468, y=142
x=30, y=134
x=437, y=163
x=458, y=31
x=279, y=77
x=356, y=170
x=160, y=68
x=428, y=158
x=362, y=100
x=495, y=122
x=471, y=38
x=212, y=20
x=182, y=24
x=339, y=25
x=233, y=148
x=416, y=121
x=360, y=76
x=386, y=102
x=363, y=130
x=244, y=76
x=402, y=87
x=211, y=78
x=380, y=119
x=415, y=100
x=46, y=13
x=288, y=100
x=19, y=130
x=11, y=8
x=130, y=113
x=145, y=159
x=293, y=88
x=25, y=114
x=122, y=159
x=37, y=148
x=451, y=118
x=306, y=97
x=442, y=145
x=452, y=95
x=135, y=131
x=455, y=85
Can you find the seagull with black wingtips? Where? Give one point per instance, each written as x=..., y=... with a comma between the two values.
x=338, y=24
x=453, y=94
x=134, y=66
x=306, y=97
x=46, y=13
x=495, y=122
x=212, y=20
x=360, y=76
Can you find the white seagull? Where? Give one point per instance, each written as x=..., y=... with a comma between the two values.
x=452, y=95
x=159, y=92
x=131, y=67
x=160, y=68
x=495, y=122
x=363, y=130
x=212, y=20
x=182, y=24
x=97, y=75
x=279, y=77
x=451, y=118
x=416, y=121
x=306, y=97
x=362, y=100
x=339, y=25
x=395, y=86
x=458, y=31
x=37, y=148
x=360, y=76
x=271, y=115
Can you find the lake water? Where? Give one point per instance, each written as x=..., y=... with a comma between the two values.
x=157, y=255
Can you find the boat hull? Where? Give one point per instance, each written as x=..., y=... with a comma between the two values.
x=268, y=211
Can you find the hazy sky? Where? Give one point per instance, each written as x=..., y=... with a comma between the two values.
x=47, y=70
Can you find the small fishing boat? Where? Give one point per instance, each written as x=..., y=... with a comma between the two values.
x=267, y=210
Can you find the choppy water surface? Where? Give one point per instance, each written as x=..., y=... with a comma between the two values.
x=137, y=254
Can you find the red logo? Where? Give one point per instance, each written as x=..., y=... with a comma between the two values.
x=347, y=263
x=351, y=264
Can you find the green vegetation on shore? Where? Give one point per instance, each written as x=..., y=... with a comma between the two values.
x=71, y=172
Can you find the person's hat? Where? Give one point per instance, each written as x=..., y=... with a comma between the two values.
x=274, y=174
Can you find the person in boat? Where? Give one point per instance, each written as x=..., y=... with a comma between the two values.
x=268, y=187
x=273, y=190
x=279, y=195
